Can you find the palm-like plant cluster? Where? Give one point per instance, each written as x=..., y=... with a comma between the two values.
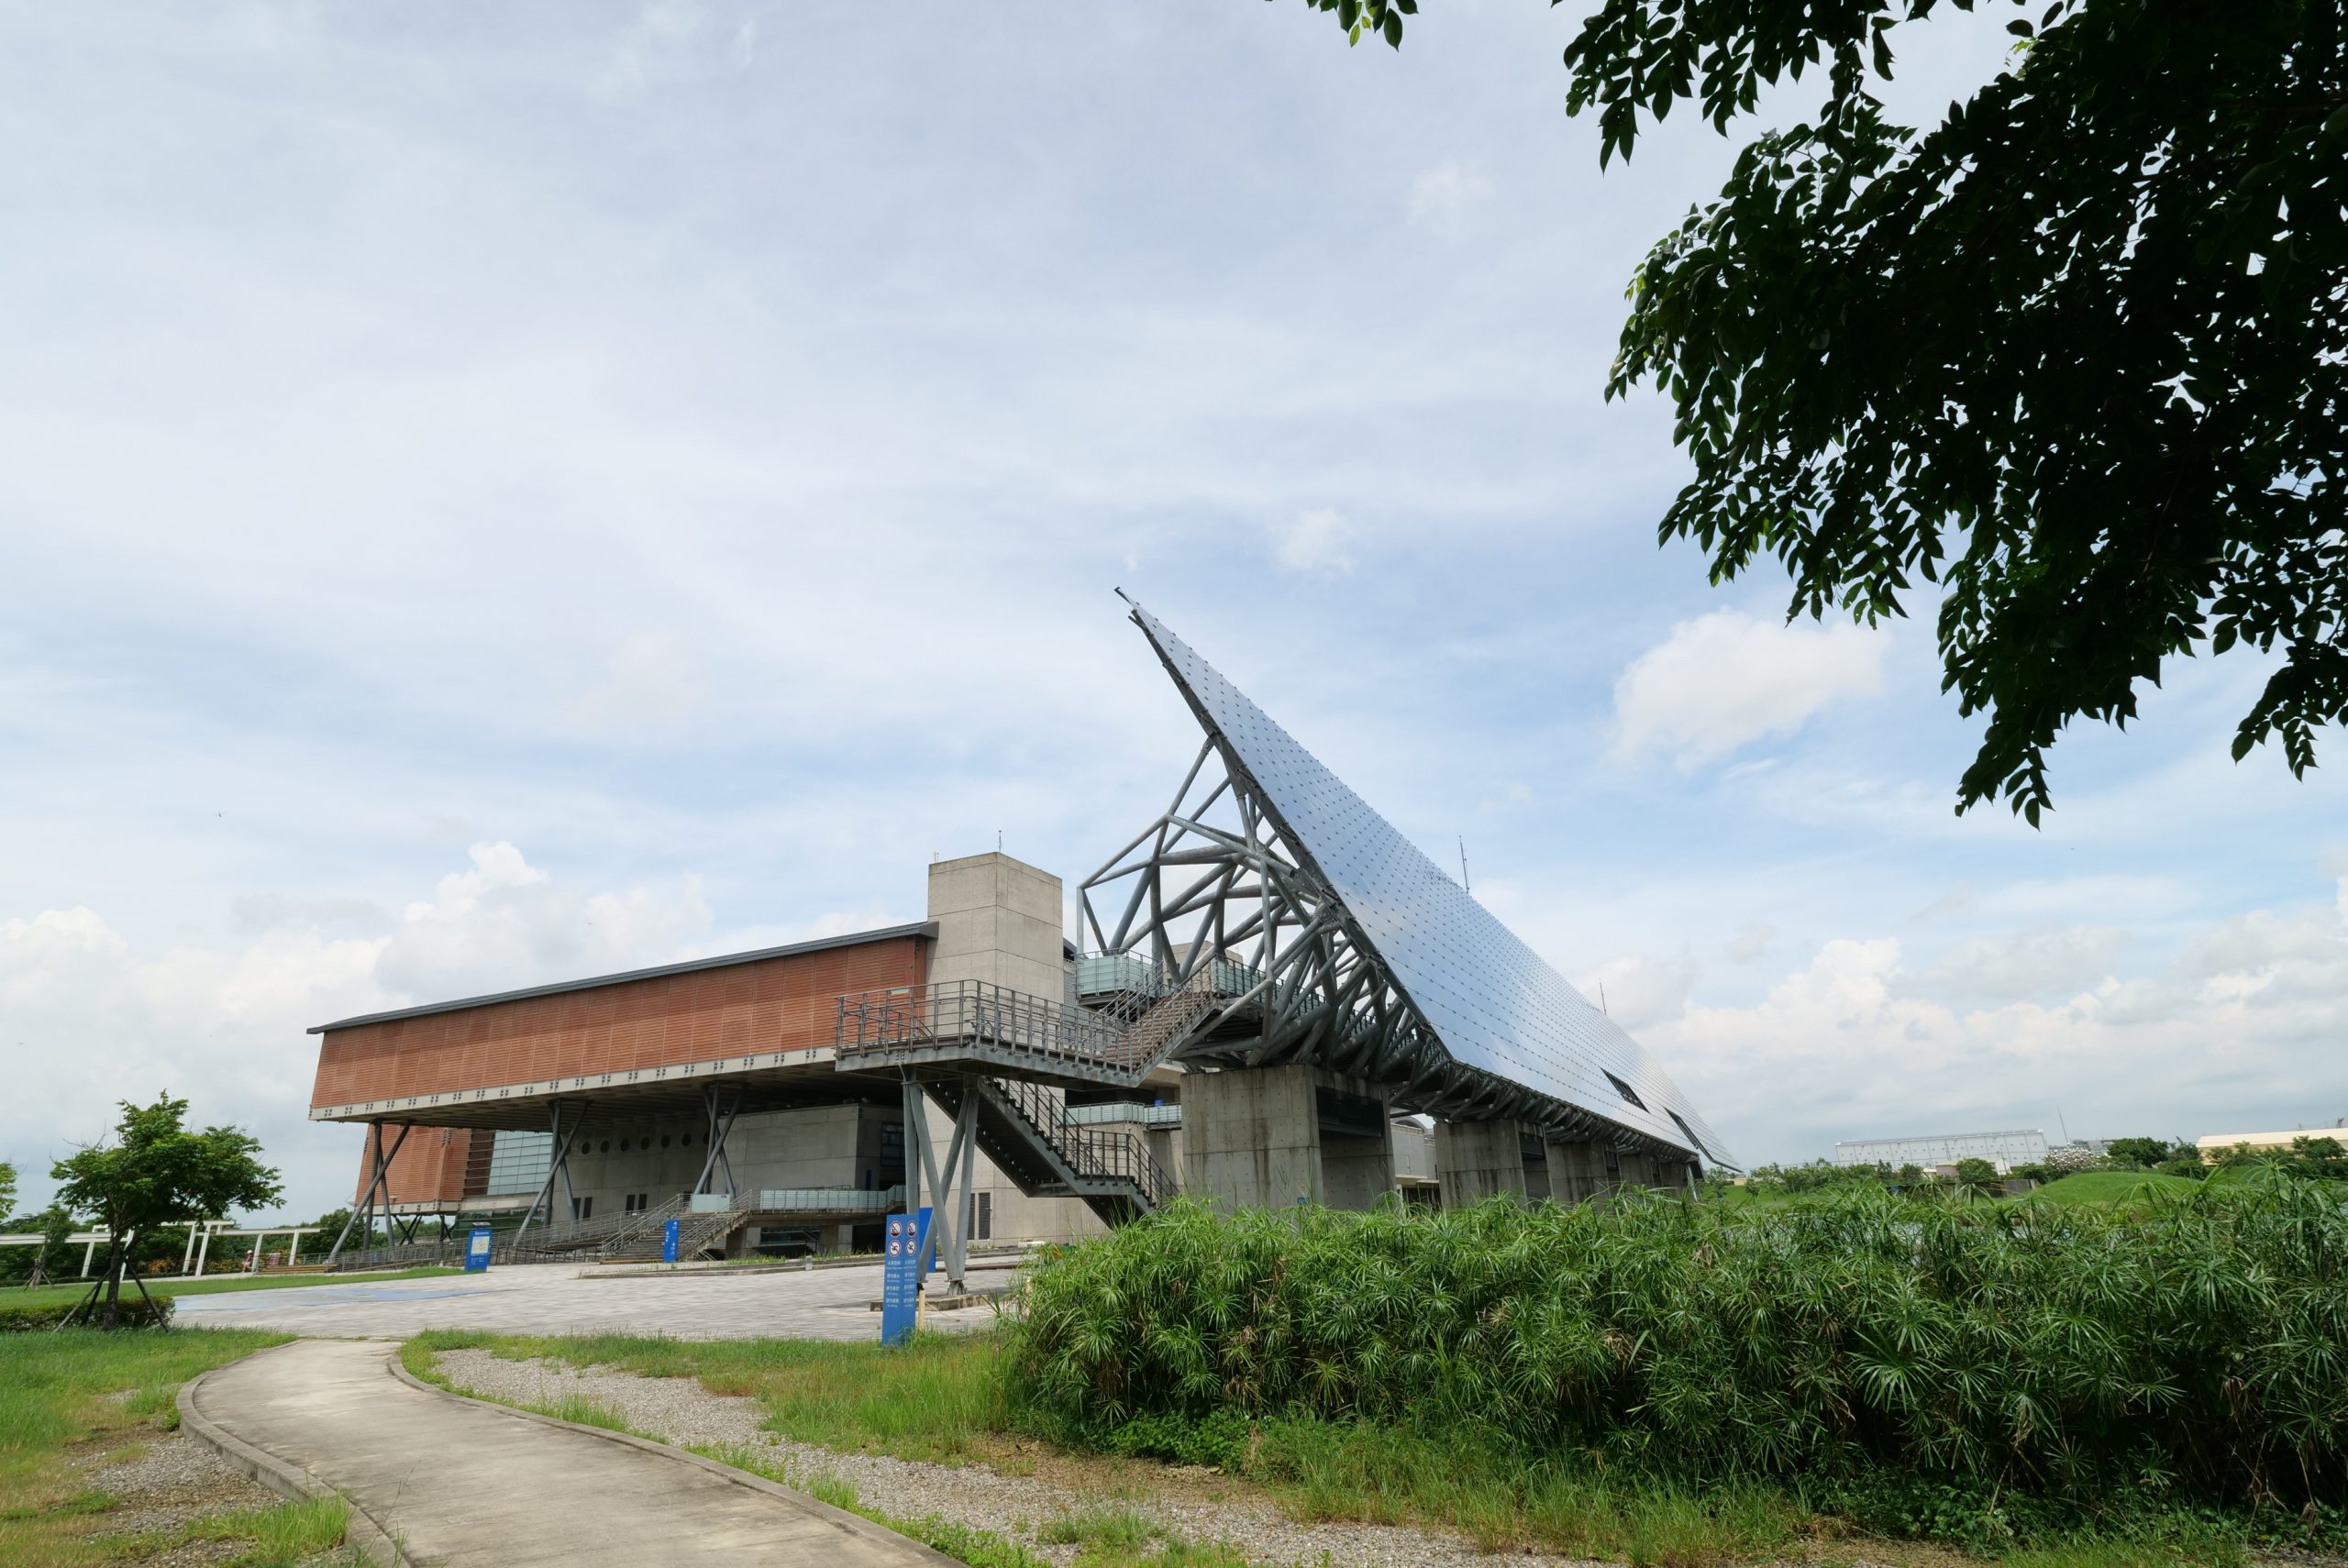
x=2196, y=1346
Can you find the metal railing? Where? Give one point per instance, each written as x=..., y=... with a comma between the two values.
x=829, y=1200
x=900, y=1016
x=1092, y=1153
x=1127, y=1110
x=1125, y=1037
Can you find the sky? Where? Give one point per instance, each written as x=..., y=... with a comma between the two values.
x=493, y=496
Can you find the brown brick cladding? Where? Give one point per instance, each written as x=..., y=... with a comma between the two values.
x=784, y=1003
x=430, y=1166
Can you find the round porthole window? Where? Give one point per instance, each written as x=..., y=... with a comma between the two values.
x=686, y=1139
x=664, y=1140
x=606, y=1148
x=623, y=1146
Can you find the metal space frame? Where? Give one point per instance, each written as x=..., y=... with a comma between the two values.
x=1218, y=879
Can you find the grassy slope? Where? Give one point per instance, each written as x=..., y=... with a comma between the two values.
x=2108, y=1187
x=82, y=1393
x=43, y=1294
x=941, y=1399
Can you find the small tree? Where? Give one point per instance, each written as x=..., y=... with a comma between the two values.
x=1976, y=1173
x=158, y=1173
x=2144, y=1153
x=7, y=1188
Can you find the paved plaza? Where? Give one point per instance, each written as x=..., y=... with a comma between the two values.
x=565, y=1299
x=453, y=1481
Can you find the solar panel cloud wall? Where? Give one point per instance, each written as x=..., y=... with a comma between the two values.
x=1491, y=1000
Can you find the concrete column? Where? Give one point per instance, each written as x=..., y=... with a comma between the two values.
x=998, y=923
x=1577, y=1170
x=1638, y=1168
x=1535, y=1155
x=1674, y=1175
x=1251, y=1137
x=1476, y=1160
x=1357, y=1172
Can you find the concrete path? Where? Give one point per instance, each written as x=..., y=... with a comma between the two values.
x=572, y=1299
x=458, y=1483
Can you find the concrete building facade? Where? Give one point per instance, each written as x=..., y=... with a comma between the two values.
x=2003, y=1149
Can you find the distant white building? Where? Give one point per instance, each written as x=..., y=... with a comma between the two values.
x=2003, y=1149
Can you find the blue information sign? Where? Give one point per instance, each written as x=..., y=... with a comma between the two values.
x=477, y=1250
x=906, y=1239
x=668, y=1242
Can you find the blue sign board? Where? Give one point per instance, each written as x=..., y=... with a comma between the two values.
x=906, y=1239
x=668, y=1242
x=477, y=1251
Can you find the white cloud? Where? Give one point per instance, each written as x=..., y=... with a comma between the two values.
x=1313, y=543
x=682, y=40
x=2240, y=1026
x=1727, y=678
x=1441, y=197
x=2040, y=961
x=651, y=683
x=1637, y=992
x=88, y=1016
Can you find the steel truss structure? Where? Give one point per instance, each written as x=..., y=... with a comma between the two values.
x=1213, y=886
x=1305, y=921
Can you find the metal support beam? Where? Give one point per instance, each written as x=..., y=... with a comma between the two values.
x=378, y=1178
x=561, y=1166
x=718, y=1127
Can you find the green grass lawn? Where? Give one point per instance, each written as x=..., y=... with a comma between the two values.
x=2108, y=1187
x=941, y=1399
x=83, y=1393
x=42, y=1295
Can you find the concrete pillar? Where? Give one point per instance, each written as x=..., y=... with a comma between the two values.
x=1577, y=1170
x=998, y=923
x=1357, y=1172
x=1638, y=1168
x=1251, y=1137
x=1674, y=1175
x=1536, y=1166
x=1476, y=1160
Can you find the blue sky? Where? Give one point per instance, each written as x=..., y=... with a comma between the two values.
x=491, y=497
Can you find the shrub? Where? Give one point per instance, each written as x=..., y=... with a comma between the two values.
x=2193, y=1348
x=130, y=1312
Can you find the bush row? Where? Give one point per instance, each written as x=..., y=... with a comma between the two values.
x=130, y=1312
x=2196, y=1347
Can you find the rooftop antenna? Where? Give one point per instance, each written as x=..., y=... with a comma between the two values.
x=1464, y=886
x=2062, y=1124
x=1601, y=999
x=998, y=841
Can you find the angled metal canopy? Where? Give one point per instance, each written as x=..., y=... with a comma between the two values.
x=1311, y=929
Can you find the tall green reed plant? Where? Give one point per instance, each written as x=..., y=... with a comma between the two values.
x=2195, y=1346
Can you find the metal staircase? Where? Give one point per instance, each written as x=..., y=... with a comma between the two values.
x=1025, y=1128
x=1016, y=1054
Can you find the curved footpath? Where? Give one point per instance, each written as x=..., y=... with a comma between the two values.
x=435, y=1478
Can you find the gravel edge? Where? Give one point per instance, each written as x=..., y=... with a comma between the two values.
x=361, y=1531
x=840, y=1519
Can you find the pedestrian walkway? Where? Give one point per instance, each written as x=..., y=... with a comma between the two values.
x=572, y=1299
x=458, y=1483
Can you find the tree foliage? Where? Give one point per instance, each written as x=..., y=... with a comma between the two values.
x=2078, y=354
x=7, y=1186
x=2144, y=1153
x=1975, y=1172
x=156, y=1172
x=2190, y=1348
x=2320, y=1156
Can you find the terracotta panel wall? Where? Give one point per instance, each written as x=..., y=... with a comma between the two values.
x=774, y=1004
x=429, y=1167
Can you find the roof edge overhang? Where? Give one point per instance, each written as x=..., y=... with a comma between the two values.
x=926, y=929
